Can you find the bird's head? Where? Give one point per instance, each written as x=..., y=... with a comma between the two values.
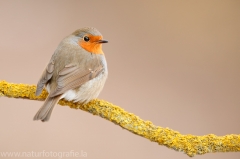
x=90, y=39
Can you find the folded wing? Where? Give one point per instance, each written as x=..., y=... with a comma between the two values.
x=72, y=76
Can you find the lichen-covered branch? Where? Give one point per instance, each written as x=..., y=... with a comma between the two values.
x=190, y=144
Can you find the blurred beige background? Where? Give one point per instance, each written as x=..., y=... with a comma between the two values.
x=175, y=63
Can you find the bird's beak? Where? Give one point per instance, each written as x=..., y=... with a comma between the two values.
x=102, y=41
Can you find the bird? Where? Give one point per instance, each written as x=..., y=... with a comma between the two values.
x=76, y=72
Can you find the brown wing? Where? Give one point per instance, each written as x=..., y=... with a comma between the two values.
x=72, y=76
x=47, y=75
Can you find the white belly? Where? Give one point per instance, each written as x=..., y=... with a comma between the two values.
x=88, y=91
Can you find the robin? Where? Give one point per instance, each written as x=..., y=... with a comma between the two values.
x=77, y=71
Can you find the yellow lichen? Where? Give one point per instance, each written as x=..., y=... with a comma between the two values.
x=190, y=144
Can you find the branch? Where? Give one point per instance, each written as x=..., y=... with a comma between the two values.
x=190, y=144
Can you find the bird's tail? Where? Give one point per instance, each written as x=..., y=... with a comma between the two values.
x=45, y=111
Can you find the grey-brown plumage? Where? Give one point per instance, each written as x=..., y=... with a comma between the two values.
x=77, y=71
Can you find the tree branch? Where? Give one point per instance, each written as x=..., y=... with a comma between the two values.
x=190, y=144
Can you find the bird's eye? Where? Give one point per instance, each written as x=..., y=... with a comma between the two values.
x=86, y=38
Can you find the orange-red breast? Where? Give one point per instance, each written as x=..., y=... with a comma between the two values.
x=76, y=72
